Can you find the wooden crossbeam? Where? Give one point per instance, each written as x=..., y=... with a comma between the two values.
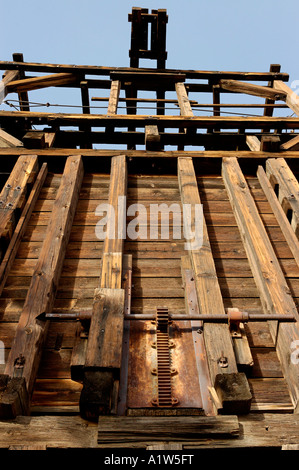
x=252, y=89
x=280, y=174
x=7, y=140
x=104, y=348
x=13, y=194
x=123, y=120
x=292, y=144
x=273, y=290
x=103, y=70
x=219, y=348
x=253, y=143
x=291, y=97
x=26, y=350
x=45, y=81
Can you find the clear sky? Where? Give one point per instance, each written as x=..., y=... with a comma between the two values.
x=201, y=34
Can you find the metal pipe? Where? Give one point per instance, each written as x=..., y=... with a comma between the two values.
x=240, y=316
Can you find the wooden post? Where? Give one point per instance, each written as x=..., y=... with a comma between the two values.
x=274, y=292
x=31, y=331
x=219, y=347
x=103, y=354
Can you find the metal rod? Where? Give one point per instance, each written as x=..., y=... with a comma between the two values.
x=243, y=316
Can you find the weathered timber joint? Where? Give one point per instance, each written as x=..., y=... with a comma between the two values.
x=97, y=393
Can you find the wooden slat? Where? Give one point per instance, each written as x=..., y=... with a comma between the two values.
x=8, y=77
x=292, y=144
x=253, y=143
x=114, y=97
x=273, y=289
x=26, y=350
x=217, y=337
x=15, y=241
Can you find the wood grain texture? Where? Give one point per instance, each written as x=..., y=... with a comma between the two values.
x=31, y=329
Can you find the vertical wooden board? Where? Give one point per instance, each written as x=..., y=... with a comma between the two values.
x=106, y=330
x=114, y=97
x=27, y=346
x=13, y=194
x=217, y=337
x=273, y=290
x=13, y=246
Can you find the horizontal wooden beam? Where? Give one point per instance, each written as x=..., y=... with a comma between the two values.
x=173, y=154
x=102, y=70
x=122, y=120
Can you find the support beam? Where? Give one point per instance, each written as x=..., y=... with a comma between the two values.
x=36, y=83
x=219, y=347
x=152, y=138
x=13, y=195
x=279, y=173
x=26, y=350
x=251, y=89
x=253, y=143
x=273, y=290
x=291, y=97
x=23, y=95
x=8, y=141
x=279, y=213
x=8, y=77
x=103, y=354
x=292, y=144
x=19, y=231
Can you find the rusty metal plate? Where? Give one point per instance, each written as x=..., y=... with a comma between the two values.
x=143, y=384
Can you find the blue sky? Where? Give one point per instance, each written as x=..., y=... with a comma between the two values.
x=206, y=34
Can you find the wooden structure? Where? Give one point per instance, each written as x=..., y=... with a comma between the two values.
x=141, y=338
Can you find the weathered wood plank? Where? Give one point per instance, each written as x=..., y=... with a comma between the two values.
x=279, y=213
x=217, y=337
x=103, y=354
x=45, y=81
x=114, y=97
x=13, y=246
x=27, y=347
x=291, y=97
x=7, y=140
x=116, y=430
x=273, y=289
x=252, y=89
x=280, y=173
x=13, y=194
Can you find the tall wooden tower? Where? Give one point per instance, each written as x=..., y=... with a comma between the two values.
x=149, y=255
